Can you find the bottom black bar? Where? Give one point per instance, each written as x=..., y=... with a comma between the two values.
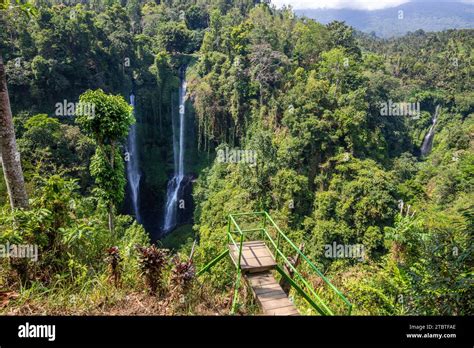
x=172, y=331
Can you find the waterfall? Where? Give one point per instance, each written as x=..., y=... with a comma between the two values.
x=174, y=185
x=428, y=140
x=133, y=171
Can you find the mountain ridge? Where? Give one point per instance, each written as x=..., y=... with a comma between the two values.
x=399, y=20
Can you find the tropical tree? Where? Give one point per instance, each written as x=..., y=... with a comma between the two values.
x=108, y=122
x=10, y=156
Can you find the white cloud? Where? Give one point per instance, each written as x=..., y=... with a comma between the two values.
x=338, y=4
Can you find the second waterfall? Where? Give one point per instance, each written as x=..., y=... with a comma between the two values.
x=133, y=170
x=174, y=189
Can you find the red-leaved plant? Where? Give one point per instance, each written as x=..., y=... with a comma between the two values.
x=114, y=259
x=182, y=275
x=153, y=262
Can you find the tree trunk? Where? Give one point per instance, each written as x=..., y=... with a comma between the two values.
x=111, y=204
x=111, y=218
x=11, y=163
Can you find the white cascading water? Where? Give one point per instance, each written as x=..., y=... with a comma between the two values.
x=174, y=185
x=428, y=141
x=133, y=171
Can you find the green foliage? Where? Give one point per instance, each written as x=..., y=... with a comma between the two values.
x=306, y=98
x=53, y=147
x=312, y=40
x=110, y=180
x=110, y=120
x=108, y=123
x=303, y=96
x=174, y=37
x=343, y=36
x=181, y=238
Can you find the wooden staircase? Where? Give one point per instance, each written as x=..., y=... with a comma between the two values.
x=256, y=264
x=248, y=249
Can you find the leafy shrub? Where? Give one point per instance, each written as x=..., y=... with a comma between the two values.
x=182, y=274
x=153, y=262
x=114, y=259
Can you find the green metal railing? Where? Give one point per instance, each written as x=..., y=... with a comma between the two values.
x=298, y=281
x=279, y=243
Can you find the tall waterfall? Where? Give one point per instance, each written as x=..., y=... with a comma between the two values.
x=174, y=185
x=428, y=141
x=133, y=171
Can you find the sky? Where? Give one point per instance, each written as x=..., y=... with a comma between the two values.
x=338, y=4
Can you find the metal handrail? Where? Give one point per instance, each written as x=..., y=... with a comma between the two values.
x=328, y=311
x=313, y=267
x=231, y=218
x=321, y=307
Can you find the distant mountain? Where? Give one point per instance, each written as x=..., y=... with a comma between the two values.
x=420, y=14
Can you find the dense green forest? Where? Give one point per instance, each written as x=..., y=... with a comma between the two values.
x=305, y=98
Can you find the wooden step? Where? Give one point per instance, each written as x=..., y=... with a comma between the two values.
x=269, y=294
x=256, y=257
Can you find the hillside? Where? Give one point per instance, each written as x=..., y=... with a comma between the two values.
x=424, y=15
x=143, y=142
